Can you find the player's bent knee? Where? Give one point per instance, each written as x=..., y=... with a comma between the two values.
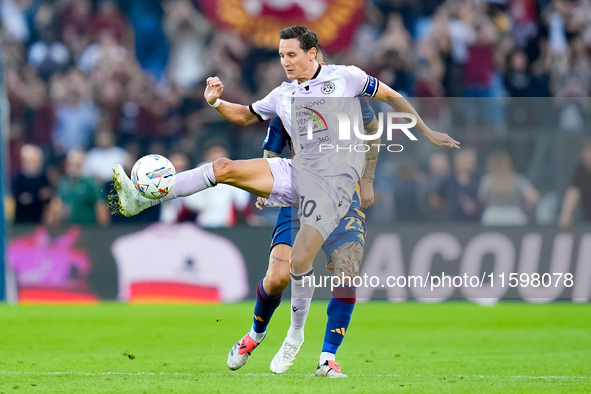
x=300, y=262
x=276, y=282
x=223, y=168
x=300, y=265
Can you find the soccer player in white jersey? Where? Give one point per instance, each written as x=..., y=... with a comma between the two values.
x=321, y=186
x=344, y=252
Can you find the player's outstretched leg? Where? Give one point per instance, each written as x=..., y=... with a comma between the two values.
x=187, y=182
x=253, y=176
x=269, y=292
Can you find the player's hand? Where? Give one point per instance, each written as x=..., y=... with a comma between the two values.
x=214, y=90
x=261, y=203
x=443, y=139
x=367, y=195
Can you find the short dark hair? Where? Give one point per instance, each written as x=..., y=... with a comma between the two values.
x=307, y=39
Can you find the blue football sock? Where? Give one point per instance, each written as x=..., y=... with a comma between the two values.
x=339, y=311
x=264, y=308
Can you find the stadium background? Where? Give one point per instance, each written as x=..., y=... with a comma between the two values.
x=118, y=79
x=143, y=86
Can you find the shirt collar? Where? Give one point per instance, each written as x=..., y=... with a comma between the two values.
x=317, y=71
x=306, y=84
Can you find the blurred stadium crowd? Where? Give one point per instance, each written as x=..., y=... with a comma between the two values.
x=91, y=83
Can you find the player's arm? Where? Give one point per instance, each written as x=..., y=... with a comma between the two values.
x=399, y=104
x=235, y=113
x=371, y=159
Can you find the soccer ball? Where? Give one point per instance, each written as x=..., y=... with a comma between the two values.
x=153, y=176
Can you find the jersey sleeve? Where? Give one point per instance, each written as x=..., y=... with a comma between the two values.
x=275, y=140
x=367, y=111
x=266, y=108
x=363, y=84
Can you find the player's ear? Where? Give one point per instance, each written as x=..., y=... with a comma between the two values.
x=312, y=53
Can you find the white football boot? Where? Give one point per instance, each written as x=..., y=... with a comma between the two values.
x=330, y=369
x=130, y=201
x=286, y=355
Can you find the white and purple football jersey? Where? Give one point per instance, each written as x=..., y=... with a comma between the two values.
x=321, y=102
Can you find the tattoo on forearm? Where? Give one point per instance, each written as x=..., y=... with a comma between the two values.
x=267, y=154
x=347, y=259
x=371, y=160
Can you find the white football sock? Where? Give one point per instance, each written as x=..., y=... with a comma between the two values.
x=256, y=336
x=302, y=291
x=190, y=182
x=325, y=356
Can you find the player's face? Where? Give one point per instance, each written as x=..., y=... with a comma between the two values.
x=297, y=64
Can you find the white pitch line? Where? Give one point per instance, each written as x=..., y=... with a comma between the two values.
x=79, y=373
x=93, y=373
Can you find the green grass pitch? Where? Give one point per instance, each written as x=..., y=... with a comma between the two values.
x=449, y=347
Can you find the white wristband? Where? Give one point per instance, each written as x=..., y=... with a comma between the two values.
x=216, y=104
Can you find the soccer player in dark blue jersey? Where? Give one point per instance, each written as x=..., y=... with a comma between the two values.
x=344, y=251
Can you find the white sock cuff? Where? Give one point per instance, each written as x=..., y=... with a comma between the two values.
x=324, y=356
x=208, y=175
x=256, y=336
x=299, y=278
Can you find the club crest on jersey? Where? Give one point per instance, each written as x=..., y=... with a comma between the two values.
x=327, y=87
